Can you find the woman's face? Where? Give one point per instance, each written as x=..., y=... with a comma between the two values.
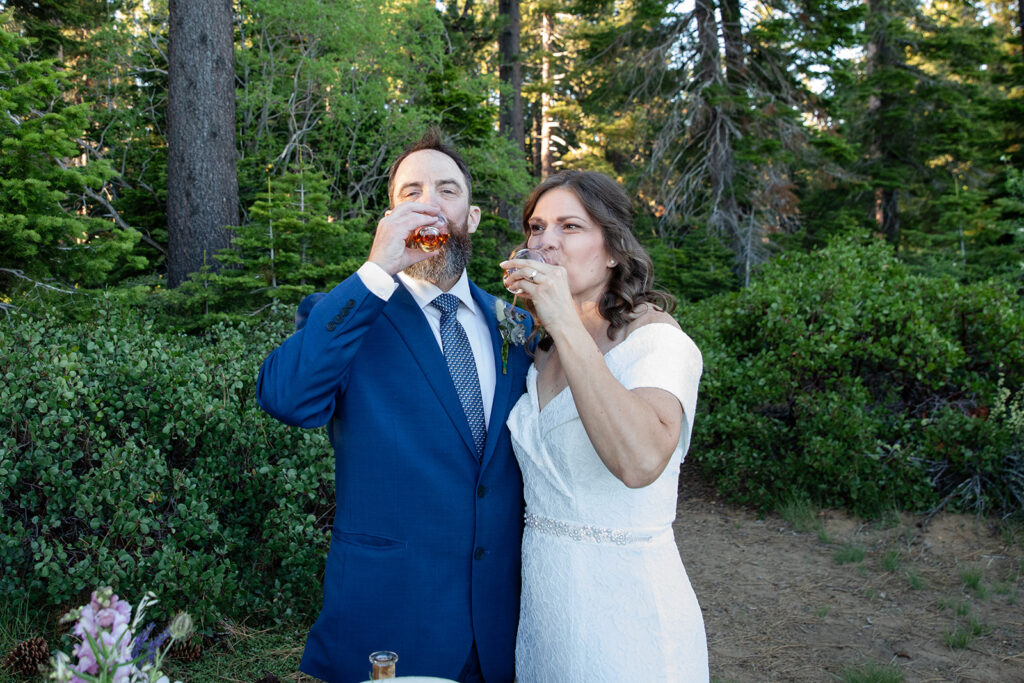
x=569, y=237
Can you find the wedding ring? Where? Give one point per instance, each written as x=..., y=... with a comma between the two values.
x=533, y=274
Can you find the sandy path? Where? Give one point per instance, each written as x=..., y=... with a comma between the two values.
x=778, y=606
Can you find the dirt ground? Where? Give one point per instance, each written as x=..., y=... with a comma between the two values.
x=791, y=601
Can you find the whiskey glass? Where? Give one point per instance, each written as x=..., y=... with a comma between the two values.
x=429, y=237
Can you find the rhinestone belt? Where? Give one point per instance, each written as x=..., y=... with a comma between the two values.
x=583, y=532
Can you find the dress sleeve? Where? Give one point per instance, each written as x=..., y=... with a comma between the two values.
x=662, y=356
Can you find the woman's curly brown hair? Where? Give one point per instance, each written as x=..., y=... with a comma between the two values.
x=632, y=279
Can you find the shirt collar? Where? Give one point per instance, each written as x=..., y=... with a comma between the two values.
x=425, y=292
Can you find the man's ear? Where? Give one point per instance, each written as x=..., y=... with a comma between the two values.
x=473, y=219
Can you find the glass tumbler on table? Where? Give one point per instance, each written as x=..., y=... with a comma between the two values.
x=382, y=665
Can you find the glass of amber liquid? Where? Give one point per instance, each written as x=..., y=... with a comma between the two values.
x=429, y=237
x=382, y=665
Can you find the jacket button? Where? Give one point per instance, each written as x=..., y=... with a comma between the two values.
x=331, y=326
x=481, y=491
x=479, y=554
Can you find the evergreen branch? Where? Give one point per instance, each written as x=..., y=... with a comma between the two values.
x=114, y=214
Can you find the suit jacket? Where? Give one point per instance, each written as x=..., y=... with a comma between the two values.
x=425, y=550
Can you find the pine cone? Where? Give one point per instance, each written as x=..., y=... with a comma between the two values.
x=269, y=678
x=27, y=657
x=188, y=650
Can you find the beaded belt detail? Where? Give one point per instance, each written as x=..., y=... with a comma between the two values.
x=583, y=532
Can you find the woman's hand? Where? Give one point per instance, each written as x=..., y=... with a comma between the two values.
x=547, y=286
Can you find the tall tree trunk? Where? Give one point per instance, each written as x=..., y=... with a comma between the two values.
x=546, y=123
x=535, y=133
x=880, y=56
x=202, y=178
x=510, y=117
x=510, y=106
x=732, y=33
x=1020, y=25
x=890, y=216
x=716, y=131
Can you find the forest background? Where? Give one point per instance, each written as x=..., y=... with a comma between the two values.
x=832, y=189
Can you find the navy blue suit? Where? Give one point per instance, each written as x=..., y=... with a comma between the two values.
x=424, y=555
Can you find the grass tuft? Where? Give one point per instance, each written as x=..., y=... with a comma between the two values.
x=872, y=672
x=849, y=554
x=915, y=580
x=971, y=579
x=892, y=561
x=801, y=515
x=962, y=635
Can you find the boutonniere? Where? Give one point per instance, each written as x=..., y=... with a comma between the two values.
x=511, y=328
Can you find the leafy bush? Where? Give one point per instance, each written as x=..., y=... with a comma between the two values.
x=841, y=378
x=140, y=459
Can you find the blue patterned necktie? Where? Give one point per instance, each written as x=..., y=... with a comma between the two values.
x=462, y=367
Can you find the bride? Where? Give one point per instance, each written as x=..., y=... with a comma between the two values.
x=600, y=435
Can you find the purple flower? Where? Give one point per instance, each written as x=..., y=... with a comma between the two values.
x=106, y=644
x=118, y=614
x=87, y=663
x=86, y=623
x=139, y=644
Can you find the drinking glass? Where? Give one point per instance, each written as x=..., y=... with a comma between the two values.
x=521, y=254
x=429, y=237
x=383, y=665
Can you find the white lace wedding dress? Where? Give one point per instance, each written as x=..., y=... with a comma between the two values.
x=605, y=595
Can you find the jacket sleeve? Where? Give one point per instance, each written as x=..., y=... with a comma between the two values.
x=299, y=380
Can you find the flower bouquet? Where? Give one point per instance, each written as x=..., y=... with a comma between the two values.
x=112, y=648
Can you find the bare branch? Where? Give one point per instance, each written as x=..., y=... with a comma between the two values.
x=20, y=274
x=121, y=222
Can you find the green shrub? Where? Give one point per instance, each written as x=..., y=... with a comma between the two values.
x=140, y=459
x=841, y=378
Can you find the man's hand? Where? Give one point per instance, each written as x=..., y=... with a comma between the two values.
x=388, y=250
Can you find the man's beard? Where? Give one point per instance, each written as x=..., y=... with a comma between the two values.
x=450, y=261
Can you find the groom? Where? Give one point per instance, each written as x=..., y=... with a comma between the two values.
x=402, y=362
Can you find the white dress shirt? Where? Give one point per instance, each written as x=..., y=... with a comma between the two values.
x=469, y=315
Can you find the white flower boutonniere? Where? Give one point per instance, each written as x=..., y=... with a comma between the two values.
x=511, y=327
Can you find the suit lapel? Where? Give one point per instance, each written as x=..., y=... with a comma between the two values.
x=503, y=381
x=407, y=318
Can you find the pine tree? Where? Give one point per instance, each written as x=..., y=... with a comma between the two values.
x=45, y=229
x=290, y=247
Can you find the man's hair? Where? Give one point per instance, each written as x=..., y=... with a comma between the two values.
x=436, y=140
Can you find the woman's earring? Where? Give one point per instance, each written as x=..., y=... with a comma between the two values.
x=611, y=263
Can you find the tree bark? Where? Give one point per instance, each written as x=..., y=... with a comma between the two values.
x=1020, y=25
x=510, y=73
x=715, y=131
x=889, y=215
x=535, y=130
x=510, y=119
x=880, y=56
x=732, y=33
x=547, y=159
x=202, y=178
